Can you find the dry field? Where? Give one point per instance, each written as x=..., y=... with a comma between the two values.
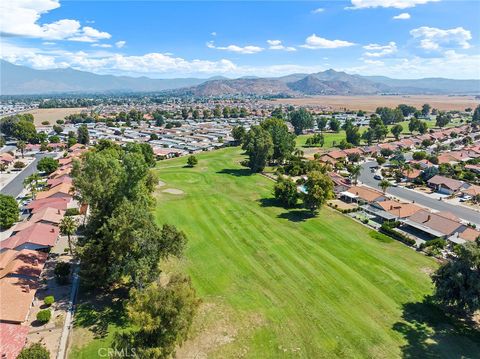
x=370, y=103
x=53, y=114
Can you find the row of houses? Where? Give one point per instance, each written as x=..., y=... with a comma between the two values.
x=24, y=254
x=415, y=220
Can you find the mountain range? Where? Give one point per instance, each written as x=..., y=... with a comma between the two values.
x=21, y=80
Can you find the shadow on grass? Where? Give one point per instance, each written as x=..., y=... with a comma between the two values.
x=237, y=172
x=269, y=202
x=96, y=311
x=430, y=333
x=297, y=215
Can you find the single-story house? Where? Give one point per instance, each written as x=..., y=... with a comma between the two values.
x=441, y=225
x=33, y=236
x=362, y=194
x=445, y=185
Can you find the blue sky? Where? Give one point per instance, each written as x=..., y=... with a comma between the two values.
x=397, y=38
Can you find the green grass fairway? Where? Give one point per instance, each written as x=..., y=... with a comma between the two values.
x=330, y=138
x=275, y=283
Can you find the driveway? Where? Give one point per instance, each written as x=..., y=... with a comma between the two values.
x=366, y=177
x=15, y=186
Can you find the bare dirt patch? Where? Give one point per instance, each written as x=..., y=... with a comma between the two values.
x=173, y=191
x=215, y=327
x=53, y=114
x=370, y=103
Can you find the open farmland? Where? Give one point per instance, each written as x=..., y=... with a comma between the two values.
x=370, y=103
x=52, y=114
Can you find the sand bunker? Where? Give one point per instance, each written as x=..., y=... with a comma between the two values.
x=173, y=191
x=161, y=183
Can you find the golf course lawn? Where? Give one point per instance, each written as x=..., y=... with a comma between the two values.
x=280, y=284
x=275, y=283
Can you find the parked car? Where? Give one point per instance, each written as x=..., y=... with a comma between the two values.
x=465, y=198
x=378, y=177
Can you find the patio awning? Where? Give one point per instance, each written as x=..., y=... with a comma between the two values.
x=423, y=228
x=378, y=212
x=348, y=194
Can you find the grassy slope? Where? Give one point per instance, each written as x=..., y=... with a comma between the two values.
x=282, y=285
x=323, y=285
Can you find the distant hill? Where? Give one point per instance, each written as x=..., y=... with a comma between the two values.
x=21, y=80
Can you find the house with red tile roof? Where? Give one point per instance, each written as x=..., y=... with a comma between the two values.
x=29, y=235
x=440, y=225
x=19, y=280
x=12, y=339
x=60, y=190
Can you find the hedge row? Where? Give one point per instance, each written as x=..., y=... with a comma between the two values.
x=398, y=236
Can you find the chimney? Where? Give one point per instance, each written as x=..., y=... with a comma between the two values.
x=35, y=262
x=58, y=211
x=52, y=230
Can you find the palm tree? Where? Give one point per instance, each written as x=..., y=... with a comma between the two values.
x=384, y=184
x=355, y=172
x=32, y=182
x=21, y=145
x=67, y=228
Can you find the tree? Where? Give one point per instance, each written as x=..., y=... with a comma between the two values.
x=24, y=130
x=396, y=131
x=3, y=167
x=442, y=119
x=34, y=351
x=217, y=112
x=406, y=109
x=355, y=172
x=422, y=127
x=425, y=110
x=238, y=133
x=82, y=135
x=259, y=147
x=379, y=130
x=353, y=135
x=334, y=124
x=457, y=281
x=162, y=317
x=47, y=165
x=195, y=114
x=384, y=184
x=226, y=112
x=185, y=113
x=8, y=211
x=322, y=123
x=122, y=242
x=318, y=189
x=301, y=120
x=192, y=161
x=413, y=124
x=32, y=181
x=153, y=137
x=68, y=228
x=283, y=141
x=19, y=165
x=476, y=114
x=21, y=145
x=285, y=191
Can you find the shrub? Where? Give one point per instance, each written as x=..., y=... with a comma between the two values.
x=45, y=123
x=72, y=212
x=19, y=165
x=44, y=315
x=34, y=351
x=49, y=300
x=388, y=230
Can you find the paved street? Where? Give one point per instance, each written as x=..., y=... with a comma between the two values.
x=366, y=177
x=15, y=186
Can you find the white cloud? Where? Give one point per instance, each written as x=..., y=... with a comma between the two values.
x=432, y=38
x=105, y=46
x=318, y=10
x=402, y=16
x=213, y=33
x=397, y=4
x=20, y=18
x=376, y=50
x=249, y=49
x=315, y=42
x=450, y=65
x=120, y=44
x=277, y=45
